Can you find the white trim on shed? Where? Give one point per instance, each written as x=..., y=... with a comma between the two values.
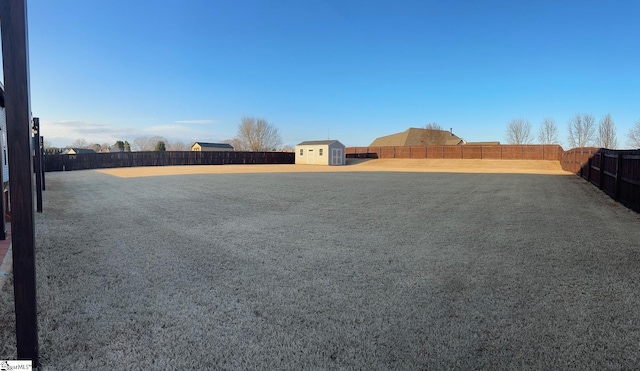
x=321, y=152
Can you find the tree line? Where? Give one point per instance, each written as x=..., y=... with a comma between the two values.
x=582, y=131
x=253, y=134
x=155, y=143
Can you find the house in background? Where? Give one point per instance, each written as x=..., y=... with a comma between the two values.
x=419, y=137
x=77, y=151
x=321, y=152
x=211, y=147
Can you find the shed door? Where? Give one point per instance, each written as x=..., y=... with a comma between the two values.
x=310, y=156
x=336, y=156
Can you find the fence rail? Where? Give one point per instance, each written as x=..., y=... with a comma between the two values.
x=506, y=152
x=615, y=172
x=169, y=158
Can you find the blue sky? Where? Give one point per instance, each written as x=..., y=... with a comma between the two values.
x=350, y=70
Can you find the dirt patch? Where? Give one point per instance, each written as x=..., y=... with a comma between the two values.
x=357, y=165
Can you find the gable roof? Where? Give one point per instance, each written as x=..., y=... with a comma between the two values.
x=213, y=145
x=317, y=142
x=418, y=137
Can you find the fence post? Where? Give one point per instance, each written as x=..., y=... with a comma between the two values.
x=619, y=164
x=38, y=162
x=15, y=58
x=589, y=167
x=44, y=166
x=601, y=178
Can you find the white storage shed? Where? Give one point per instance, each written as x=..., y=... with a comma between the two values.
x=321, y=152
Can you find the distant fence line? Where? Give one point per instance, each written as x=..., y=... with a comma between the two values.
x=167, y=158
x=500, y=152
x=615, y=172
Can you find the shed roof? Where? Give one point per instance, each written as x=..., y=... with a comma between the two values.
x=213, y=145
x=317, y=142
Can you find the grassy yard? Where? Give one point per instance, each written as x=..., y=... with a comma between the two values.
x=367, y=270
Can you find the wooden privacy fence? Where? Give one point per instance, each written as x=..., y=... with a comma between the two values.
x=507, y=152
x=169, y=158
x=615, y=172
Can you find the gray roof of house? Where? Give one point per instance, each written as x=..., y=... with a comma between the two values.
x=317, y=142
x=214, y=145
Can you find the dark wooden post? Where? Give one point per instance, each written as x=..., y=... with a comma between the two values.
x=15, y=57
x=601, y=175
x=38, y=163
x=619, y=165
x=42, y=161
x=589, y=167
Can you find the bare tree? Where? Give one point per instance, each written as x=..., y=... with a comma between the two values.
x=433, y=134
x=519, y=131
x=607, y=133
x=152, y=144
x=104, y=147
x=257, y=135
x=79, y=143
x=96, y=147
x=548, y=132
x=235, y=143
x=178, y=146
x=634, y=135
x=139, y=144
x=581, y=130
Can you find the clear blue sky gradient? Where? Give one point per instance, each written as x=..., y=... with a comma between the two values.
x=349, y=70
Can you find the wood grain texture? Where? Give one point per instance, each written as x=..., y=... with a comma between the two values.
x=18, y=111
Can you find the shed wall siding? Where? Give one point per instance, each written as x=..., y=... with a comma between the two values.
x=317, y=159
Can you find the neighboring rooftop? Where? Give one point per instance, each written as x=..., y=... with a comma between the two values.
x=213, y=145
x=77, y=151
x=418, y=137
x=317, y=142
